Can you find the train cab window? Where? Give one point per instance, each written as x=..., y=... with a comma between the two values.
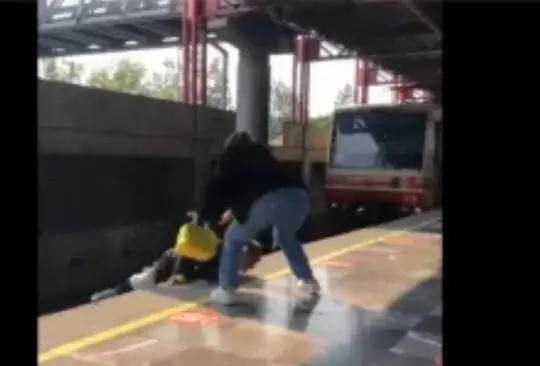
x=378, y=139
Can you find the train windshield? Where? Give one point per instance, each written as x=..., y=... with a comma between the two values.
x=378, y=139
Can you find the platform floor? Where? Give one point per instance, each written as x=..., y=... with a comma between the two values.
x=381, y=306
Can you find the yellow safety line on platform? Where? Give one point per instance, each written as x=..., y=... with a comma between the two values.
x=76, y=345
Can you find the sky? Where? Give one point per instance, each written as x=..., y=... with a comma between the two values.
x=327, y=77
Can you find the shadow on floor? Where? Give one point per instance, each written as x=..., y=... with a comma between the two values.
x=345, y=335
x=341, y=334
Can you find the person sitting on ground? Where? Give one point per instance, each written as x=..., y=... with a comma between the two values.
x=176, y=270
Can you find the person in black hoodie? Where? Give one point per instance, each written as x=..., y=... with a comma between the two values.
x=254, y=186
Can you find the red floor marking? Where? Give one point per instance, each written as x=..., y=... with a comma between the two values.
x=196, y=318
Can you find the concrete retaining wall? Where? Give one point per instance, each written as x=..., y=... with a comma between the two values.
x=80, y=120
x=115, y=177
x=72, y=265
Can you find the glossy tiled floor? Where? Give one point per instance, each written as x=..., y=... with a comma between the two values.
x=380, y=307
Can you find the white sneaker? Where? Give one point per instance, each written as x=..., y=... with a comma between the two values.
x=308, y=294
x=309, y=287
x=224, y=297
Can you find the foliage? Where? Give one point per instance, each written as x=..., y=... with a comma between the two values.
x=216, y=87
x=65, y=71
x=126, y=76
x=321, y=120
x=165, y=83
x=345, y=96
x=133, y=77
x=281, y=101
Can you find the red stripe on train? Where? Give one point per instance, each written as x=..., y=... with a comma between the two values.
x=358, y=196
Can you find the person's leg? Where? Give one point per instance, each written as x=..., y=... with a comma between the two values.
x=250, y=257
x=235, y=238
x=291, y=210
x=294, y=253
x=123, y=288
x=189, y=269
x=208, y=271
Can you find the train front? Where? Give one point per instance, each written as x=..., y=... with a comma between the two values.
x=377, y=158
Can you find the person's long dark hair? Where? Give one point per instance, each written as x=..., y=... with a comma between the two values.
x=235, y=150
x=239, y=138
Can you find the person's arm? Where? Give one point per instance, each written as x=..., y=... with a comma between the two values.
x=226, y=217
x=123, y=288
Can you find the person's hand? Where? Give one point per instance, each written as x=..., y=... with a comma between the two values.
x=193, y=215
x=177, y=279
x=226, y=217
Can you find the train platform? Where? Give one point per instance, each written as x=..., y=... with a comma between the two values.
x=380, y=306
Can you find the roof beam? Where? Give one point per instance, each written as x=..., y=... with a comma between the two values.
x=160, y=29
x=405, y=55
x=413, y=8
x=121, y=34
x=53, y=43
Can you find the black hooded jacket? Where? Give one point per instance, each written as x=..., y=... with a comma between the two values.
x=245, y=171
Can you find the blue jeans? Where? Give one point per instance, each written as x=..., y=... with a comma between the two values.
x=285, y=210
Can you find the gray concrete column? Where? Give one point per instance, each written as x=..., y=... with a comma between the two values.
x=253, y=90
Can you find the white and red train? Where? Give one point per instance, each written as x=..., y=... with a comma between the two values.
x=385, y=157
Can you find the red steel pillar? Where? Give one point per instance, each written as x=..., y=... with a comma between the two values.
x=364, y=77
x=192, y=88
x=407, y=93
x=367, y=75
x=399, y=91
x=404, y=93
x=305, y=50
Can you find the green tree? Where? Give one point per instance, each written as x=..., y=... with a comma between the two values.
x=126, y=76
x=61, y=70
x=165, y=84
x=281, y=102
x=345, y=96
x=216, y=88
x=321, y=120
